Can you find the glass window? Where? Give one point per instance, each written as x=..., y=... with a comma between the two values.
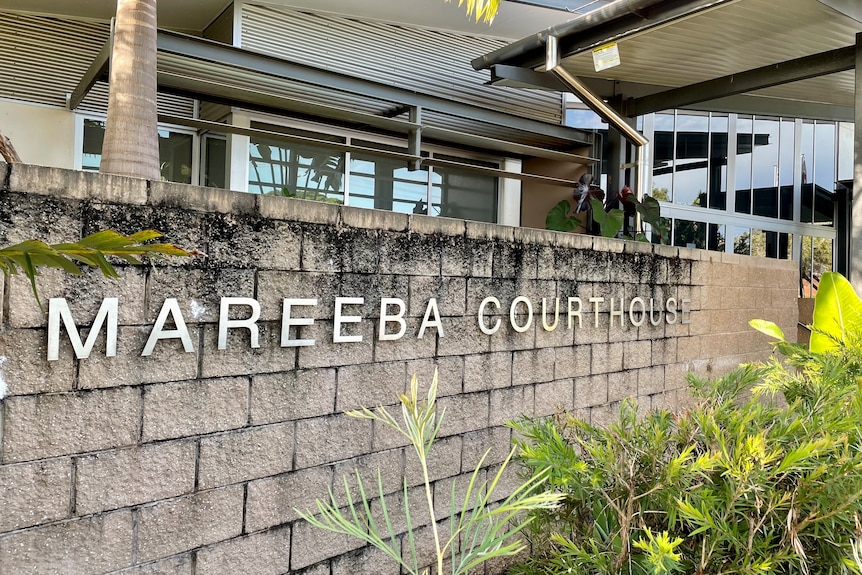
x=718, y=162
x=175, y=152
x=215, y=155
x=807, y=152
x=692, y=145
x=663, y=162
x=295, y=170
x=715, y=237
x=585, y=119
x=689, y=234
x=786, y=150
x=765, y=171
x=845, y=151
x=744, y=146
x=824, y=172
x=387, y=185
x=741, y=240
x=815, y=261
x=463, y=194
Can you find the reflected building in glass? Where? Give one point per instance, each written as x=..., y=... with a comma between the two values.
x=783, y=174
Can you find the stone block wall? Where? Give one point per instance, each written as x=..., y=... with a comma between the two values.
x=194, y=462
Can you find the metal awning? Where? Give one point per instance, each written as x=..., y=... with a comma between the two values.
x=792, y=58
x=216, y=72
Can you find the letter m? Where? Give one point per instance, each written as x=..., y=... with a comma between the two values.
x=58, y=308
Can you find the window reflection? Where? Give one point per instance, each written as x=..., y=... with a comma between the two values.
x=689, y=234
x=718, y=162
x=816, y=259
x=663, y=163
x=690, y=166
x=744, y=144
x=765, y=173
x=715, y=237
x=296, y=171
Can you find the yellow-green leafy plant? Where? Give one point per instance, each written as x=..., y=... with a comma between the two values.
x=29, y=256
x=739, y=483
x=480, y=529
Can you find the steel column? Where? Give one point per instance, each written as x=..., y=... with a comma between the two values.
x=855, y=267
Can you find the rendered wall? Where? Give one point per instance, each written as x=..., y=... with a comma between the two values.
x=30, y=126
x=187, y=463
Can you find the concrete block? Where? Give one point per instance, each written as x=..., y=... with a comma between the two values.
x=485, y=231
x=589, y=332
x=33, y=493
x=623, y=385
x=607, y=357
x=422, y=224
x=126, y=477
x=274, y=500
x=546, y=268
x=181, y=524
x=311, y=545
x=389, y=464
x=409, y=347
x=194, y=407
x=591, y=391
x=559, y=336
x=487, y=371
x=509, y=339
x=328, y=249
x=77, y=185
x=239, y=358
x=505, y=290
x=554, y=396
x=370, y=385
x=373, y=287
x=88, y=546
x=510, y=403
x=374, y=219
x=177, y=565
x=689, y=348
x=23, y=349
x=297, y=210
x=409, y=254
x=462, y=256
x=245, y=242
x=199, y=292
x=463, y=336
x=330, y=438
x=495, y=441
x=292, y=395
x=168, y=362
x=532, y=366
x=443, y=492
x=467, y=412
x=266, y=553
x=325, y=353
x=443, y=461
x=637, y=354
x=573, y=361
x=199, y=199
x=450, y=293
x=515, y=260
x=450, y=374
x=248, y=454
x=38, y=427
x=664, y=351
x=83, y=293
x=651, y=380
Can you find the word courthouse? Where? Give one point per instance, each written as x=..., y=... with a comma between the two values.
x=392, y=324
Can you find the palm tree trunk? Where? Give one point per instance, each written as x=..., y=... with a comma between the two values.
x=131, y=134
x=7, y=150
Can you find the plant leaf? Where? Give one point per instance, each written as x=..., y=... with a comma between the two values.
x=769, y=328
x=837, y=312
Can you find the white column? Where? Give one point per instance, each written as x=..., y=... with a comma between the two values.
x=509, y=204
x=236, y=165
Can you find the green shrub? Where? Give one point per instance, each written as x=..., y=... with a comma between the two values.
x=762, y=475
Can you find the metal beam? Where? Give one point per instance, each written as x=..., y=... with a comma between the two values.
x=855, y=267
x=487, y=143
x=850, y=8
x=98, y=69
x=266, y=102
x=515, y=76
x=812, y=66
x=206, y=125
x=230, y=56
